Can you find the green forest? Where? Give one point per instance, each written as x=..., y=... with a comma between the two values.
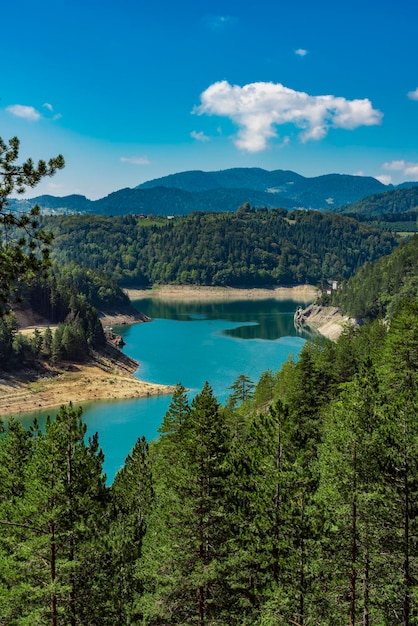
x=245, y=248
x=295, y=503
x=392, y=202
x=70, y=297
x=376, y=289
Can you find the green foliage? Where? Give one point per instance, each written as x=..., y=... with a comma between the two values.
x=297, y=505
x=51, y=510
x=242, y=389
x=377, y=288
x=245, y=248
x=132, y=498
x=225, y=190
x=15, y=349
x=185, y=543
x=395, y=201
x=24, y=246
x=64, y=297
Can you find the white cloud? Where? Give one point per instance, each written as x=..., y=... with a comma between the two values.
x=409, y=169
x=386, y=179
x=394, y=165
x=27, y=112
x=301, y=52
x=135, y=160
x=55, y=187
x=50, y=108
x=257, y=108
x=199, y=136
x=413, y=95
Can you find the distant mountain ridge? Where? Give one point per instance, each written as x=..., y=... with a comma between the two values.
x=401, y=200
x=319, y=192
x=223, y=190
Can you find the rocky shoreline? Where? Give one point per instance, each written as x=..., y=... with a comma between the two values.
x=326, y=320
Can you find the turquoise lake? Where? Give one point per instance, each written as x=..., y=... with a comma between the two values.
x=190, y=343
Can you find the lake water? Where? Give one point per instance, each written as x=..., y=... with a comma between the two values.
x=190, y=343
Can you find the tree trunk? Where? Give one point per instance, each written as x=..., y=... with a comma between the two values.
x=353, y=574
x=406, y=565
x=277, y=506
x=366, y=589
x=54, y=614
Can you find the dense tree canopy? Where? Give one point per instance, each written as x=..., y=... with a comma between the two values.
x=377, y=288
x=243, y=248
x=293, y=504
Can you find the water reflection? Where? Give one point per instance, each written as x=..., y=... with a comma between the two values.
x=262, y=319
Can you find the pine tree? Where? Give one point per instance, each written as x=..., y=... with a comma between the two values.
x=349, y=496
x=399, y=372
x=24, y=246
x=252, y=516
x=242, y=390
x=302, y=392
x=51, y=543
x=132, y=496
x=184, y=544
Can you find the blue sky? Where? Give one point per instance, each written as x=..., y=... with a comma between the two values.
x=132, y=90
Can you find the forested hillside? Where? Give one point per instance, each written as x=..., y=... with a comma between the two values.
x=247, y=247
x=377, y=288
x=318, y=192
x=293, y=504
x=172, y=201
x=70, y=297
x=389, y=203
x=225, y=190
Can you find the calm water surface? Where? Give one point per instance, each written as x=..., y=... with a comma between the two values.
x=190, y=343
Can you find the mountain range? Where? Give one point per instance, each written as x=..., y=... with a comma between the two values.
x=226, y=190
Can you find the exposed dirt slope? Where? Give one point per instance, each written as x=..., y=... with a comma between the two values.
x=327, y=320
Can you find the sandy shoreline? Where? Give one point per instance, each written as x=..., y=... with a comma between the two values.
x=300, y=293
x=28, y=392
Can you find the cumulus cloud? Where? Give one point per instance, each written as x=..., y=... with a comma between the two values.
x=394, y=165
x=257, y=108
x=413, y=95
x=409, y=169
x=27, y=112
x=135, y=160
x=199, y=136
x=301, y=52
